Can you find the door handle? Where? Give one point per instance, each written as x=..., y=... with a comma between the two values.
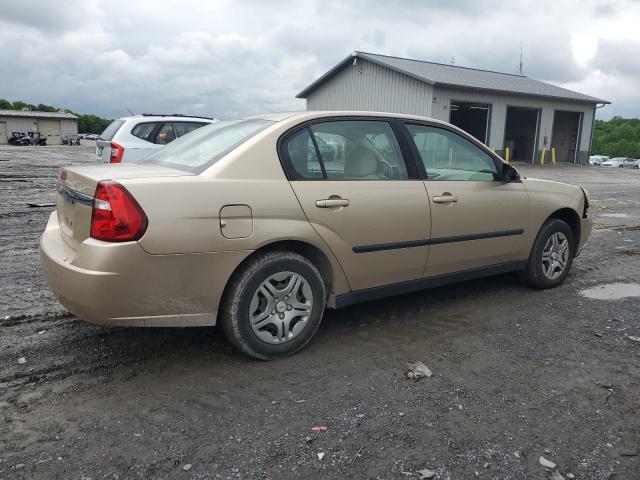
x=446, y=198
x=332, y=203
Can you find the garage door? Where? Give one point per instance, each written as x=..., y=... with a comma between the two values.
x=50, y=129
x=3, y=133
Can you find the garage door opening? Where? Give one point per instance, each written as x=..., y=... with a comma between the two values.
x=521, y=133
x=564, y=137
x=473, y=118
x=51, y=130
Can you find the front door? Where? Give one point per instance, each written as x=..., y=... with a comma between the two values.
x=477, y=220
x=359, y=195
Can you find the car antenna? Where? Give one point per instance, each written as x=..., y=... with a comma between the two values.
x=129, y=110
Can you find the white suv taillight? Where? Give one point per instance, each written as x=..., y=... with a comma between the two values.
x=116, y=216
x=116, y=153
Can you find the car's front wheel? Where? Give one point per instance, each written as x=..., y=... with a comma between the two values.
x=273, y=305
x=551, y=256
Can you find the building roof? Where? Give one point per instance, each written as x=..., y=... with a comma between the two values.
x=461, y=77
x=27, y=113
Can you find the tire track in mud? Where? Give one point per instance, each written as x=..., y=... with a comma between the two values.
x=43, y=317
x=58, y=346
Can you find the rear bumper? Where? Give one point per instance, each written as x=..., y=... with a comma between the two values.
x=121, y=284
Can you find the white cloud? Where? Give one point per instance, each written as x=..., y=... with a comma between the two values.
x=225, y=58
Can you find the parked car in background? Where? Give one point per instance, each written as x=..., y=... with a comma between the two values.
x=133, y=139
x=621, y=162
x=598, y=159
x=251, y=224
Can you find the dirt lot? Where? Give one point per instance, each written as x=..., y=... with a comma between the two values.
x=518, y=374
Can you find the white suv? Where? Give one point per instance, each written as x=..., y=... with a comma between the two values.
x=133, y=139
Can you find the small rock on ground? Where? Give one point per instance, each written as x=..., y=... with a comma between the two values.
x=546, y=463
x=426, y=473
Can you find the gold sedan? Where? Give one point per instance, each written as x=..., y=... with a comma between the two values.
x=262, y=222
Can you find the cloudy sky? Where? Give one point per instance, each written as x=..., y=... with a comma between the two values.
x=224, y=57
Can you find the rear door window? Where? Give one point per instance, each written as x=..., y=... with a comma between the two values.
x=303, y=156
x=182, y=128
x=348, y=150
x=165, y=135
x=144, y=130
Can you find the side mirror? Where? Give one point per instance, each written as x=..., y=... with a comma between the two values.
x=509, y=173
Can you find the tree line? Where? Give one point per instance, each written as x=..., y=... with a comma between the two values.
x=86, y=123
x=618, y=137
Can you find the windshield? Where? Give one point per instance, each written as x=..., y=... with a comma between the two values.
x=111, y=130
x=198, y=150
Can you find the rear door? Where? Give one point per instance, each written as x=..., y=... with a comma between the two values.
x=477, y=220
x=362, y=198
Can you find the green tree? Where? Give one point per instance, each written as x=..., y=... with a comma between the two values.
x=618, y=137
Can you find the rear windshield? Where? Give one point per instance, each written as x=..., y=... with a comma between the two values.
x=111, y=130
x=205, y=146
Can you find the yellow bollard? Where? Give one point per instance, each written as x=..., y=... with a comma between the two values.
x=544, y=151
x=450, y=157
x=553, y=155
x=493, y=149
x=506, y=154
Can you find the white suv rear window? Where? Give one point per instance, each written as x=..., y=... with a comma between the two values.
x=111, y=130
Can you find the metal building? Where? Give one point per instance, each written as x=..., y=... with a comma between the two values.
x=55, y=125
x=500, y=109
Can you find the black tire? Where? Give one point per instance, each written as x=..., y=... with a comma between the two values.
x=620, y=166
x=533, y=275
x=235, y=308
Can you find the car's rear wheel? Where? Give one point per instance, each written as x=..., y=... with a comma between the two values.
x=273, y=305
x=620, y=166
x=551, y=256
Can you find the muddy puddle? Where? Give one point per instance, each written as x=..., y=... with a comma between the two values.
x=614, y=215
x=612, y=291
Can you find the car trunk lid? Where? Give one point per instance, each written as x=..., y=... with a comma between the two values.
x=76, y=189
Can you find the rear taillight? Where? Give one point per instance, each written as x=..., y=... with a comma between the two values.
x=116, y=153
x=116, y=216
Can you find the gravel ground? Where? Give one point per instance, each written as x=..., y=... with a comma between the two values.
x=518, y=374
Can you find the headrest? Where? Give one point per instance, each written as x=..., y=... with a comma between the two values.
x=361, y=162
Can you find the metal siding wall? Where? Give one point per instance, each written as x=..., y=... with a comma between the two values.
x=21, y=124
x=499, y=103
x=381, y=89
x=68, y=127
x=376, y=89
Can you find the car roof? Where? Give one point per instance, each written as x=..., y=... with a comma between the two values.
x=155, y=118
x=312, y=115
